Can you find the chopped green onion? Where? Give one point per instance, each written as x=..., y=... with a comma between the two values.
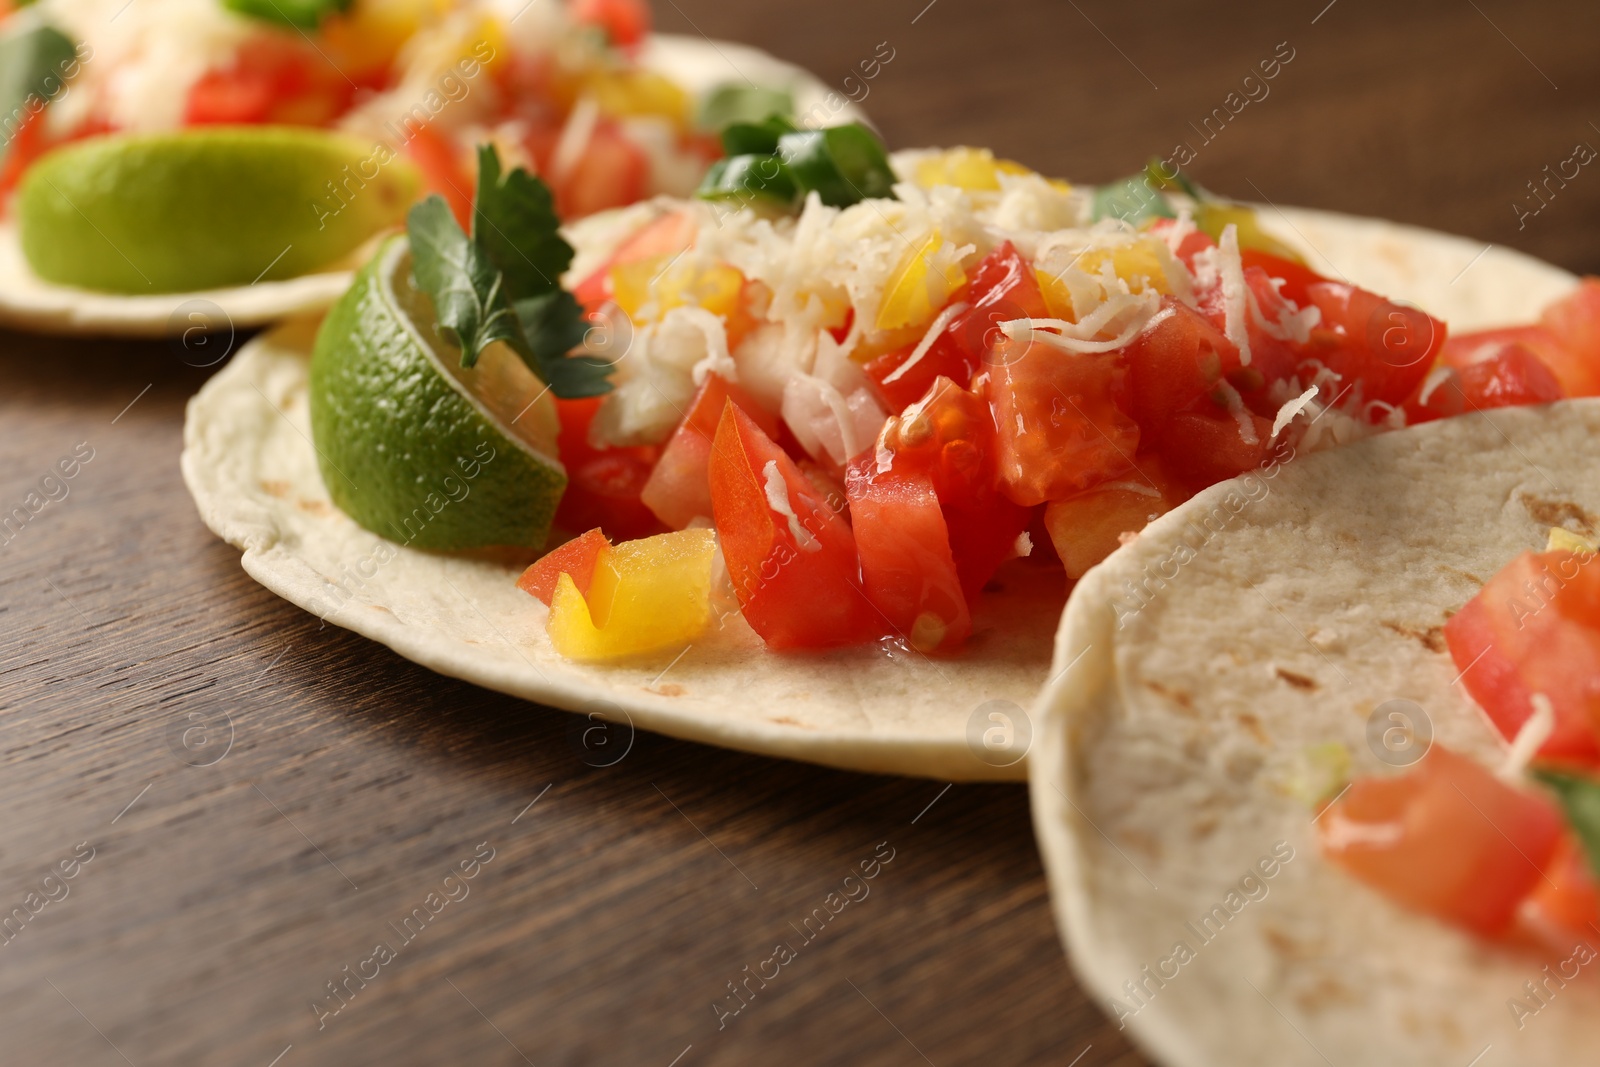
x=728, y=104
x=778, y=164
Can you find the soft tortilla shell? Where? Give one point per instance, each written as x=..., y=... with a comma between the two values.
x=249, y=463
x=1159, y=780
x=27, y=302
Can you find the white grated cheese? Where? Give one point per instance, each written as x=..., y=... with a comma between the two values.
x=935, y=328
x=1288, y=411
x=1535, y=731
x=778, y=500
x=1234, y=290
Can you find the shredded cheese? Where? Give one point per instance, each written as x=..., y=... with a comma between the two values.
x=778, y=500
x=938, y=326
x=1535, y=731
x=1288, y=411
x=1234, y=291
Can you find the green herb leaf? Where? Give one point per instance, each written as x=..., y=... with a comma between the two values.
x=1134, y=200
x=503, y=282
x=777, y=163
x=299, y=14
x=552, y=326
x=33, y=65
x=468, y=293
x=514, y=222
x=733, y=103
x=1580, y=800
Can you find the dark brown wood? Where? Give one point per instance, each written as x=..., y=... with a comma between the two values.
x=221, y=899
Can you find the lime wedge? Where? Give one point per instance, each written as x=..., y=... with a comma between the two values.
x=206, y=207
x=412, y=445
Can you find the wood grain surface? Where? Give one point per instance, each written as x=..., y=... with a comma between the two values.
x=267, y=800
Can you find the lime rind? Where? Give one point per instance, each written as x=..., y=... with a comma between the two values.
x=412, y=446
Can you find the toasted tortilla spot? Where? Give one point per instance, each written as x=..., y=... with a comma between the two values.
x=1295, y=678
x=273, y=487
x=1558, y=513
x=1177, y=696
x=1432, y=637
x=1253, y=724
x=670, y=689
x=1466, y=576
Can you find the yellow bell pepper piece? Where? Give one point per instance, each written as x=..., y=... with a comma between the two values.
x=623, y=94
x=645, y=596
x=973, y=169
x=1137, y=263
x=918, y=288
x=716, y=288
x=1212, y=218
x=1057, y=297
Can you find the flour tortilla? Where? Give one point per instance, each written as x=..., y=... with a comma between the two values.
x=27, y=302
x=249, y=463
x=1164, y=752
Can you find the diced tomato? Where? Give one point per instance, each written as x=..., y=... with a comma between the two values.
x=27, y=145
x=949, y=438
x=576, y=559
x=1061, y=420
x=679, y=489
x=1175, y=360
x=270, y=81
x=1574, y=322
x=1567, y=896
x=1438, y=396
x=1508, y=376
x=1086, y=528
x=1388, y=347
x=1447, y=838
x=1201, y=448
x=612, y=172
x=666, y=235
x=1535, y=628
x=1002, y=288
x=626, y=22
x=1297, y=279
x=907, y=568
x=603, y=484
x=444, y=171
x=1193, y=243
x=796, y=575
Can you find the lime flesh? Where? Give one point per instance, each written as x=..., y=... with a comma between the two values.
x=415, y=447
x=206, y=207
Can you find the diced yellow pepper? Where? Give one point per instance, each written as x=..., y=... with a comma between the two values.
x=1137, y=263
x=367, y=37
x=645, y=596
x=918, y=289
x=629, y=93
x=634, y=285
x=1212, y=218
x=1057, y=297
x=1564, y=540
x=973, y=169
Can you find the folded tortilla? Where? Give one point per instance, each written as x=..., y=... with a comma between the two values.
x=1274, y=612
x=27, y=302
x=249, y=463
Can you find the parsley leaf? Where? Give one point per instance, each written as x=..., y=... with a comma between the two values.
x=299, y=14
x=514, y=222
x=503, y=282
x=1580, y=800
x=468, y=293
x=33, y=65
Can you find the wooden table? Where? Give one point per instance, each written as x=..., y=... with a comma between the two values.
x=338, y=786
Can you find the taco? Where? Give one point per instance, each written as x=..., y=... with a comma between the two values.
x=832, y=440
x=1316, y=782
x=206, y=163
